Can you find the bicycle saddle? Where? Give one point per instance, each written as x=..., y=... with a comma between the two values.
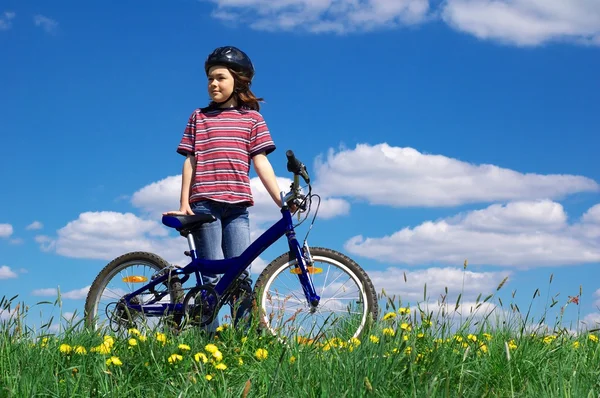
x=187, y=223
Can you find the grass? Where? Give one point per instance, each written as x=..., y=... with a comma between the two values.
x=409, y=352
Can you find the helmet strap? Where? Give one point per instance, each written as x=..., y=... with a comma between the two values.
x=228, y=98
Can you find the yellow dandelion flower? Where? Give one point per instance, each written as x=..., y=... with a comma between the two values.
x=184, y=347
x=65, y=348
x=472, y=337
x=458, y=338
x=218, y=356
x=427, y=323
x=174, y=358
x=209, y=377
x=80, y=350
x=576, y=344
x=405, y=337
x=408, y=350
x=200, y=356
x=487, y=336
x=44, y=342
x=240, y=361
x=114, y=361
x=102, y=349
x=405, y=326
x=211, y=348
x=261, y=354
x=465, y=344
x=292, y=359
x=109, y=341
x=221, y=366
x=389, y=332
x=134, y=331
x=374, y=339
x=222, y=327
x=354, y=341
x=244, y=339
x=389, y=315
x=593, y=338
x=404, y=311
x=420, y=335
x=549, y=339
x=512, y=345
x=161, y=338
x=132, y=342
x=142, y=338
x=483, y=348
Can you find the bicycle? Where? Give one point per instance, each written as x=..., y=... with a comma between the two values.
x=147, y=287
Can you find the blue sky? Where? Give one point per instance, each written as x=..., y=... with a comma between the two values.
x=434, y=131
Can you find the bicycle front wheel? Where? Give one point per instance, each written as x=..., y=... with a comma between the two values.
x=104, y=308
x=348, y=301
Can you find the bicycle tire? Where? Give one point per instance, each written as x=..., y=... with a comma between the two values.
x=111, y=269
x=287, y=260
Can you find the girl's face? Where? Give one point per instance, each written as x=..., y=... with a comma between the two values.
x=220, y=83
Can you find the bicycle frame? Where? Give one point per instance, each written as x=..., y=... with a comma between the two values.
x=230, y=269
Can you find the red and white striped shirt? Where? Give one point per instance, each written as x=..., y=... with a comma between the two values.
x=223, y=142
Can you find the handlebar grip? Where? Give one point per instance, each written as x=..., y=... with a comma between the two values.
x=295, y=166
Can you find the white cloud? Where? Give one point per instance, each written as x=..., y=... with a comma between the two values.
x=526, y=22
x=6, y=230
x=517, y=234
x=159, y=196
x=48, y=24
x=394, y=176
x=6, y=314
x=317, y=16
x=76, y=294
x=46, y=243
x=591, y=321
x=456, y=280
x=592, y=215
x=516, y=22
x=105, y=235
x=6, y=20
x=7, y=273
x=35, y=226
x=163, y=195
x=16, y=241
x=258, y=266
x=47, y=292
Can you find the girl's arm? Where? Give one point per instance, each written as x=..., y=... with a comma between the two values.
x=265, y=172
x=187, y=174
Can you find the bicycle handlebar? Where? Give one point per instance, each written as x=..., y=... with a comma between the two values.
x=296, y=166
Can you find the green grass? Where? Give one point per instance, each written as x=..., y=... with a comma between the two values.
x=414, y=353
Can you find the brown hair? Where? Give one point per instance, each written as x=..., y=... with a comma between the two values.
x=242, y=93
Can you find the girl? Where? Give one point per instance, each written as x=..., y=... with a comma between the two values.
x=219, y=143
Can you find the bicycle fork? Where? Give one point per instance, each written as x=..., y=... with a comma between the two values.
x=303, y=270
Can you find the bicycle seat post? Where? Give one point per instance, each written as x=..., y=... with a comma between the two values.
x=192, y=245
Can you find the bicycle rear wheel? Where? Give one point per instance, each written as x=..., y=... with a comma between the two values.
x=348, y=301
x=123, y=275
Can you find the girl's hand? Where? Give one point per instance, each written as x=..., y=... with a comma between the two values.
x=183, y=211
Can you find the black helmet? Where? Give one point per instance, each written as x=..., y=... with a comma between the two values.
x=231, y=57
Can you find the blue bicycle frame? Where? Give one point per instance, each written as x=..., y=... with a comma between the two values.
x=230, y=268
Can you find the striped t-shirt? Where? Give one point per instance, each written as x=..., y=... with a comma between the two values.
x=223, y=142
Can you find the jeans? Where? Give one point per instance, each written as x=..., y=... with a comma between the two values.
x=226, y=237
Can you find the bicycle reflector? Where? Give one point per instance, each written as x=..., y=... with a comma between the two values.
x=310, y=269
x=135, y=279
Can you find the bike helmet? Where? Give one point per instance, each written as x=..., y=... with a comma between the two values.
x=233, y=58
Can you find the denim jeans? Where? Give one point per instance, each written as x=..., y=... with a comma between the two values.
x=226, y=237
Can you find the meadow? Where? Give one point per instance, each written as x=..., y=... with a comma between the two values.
x=455, y=351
